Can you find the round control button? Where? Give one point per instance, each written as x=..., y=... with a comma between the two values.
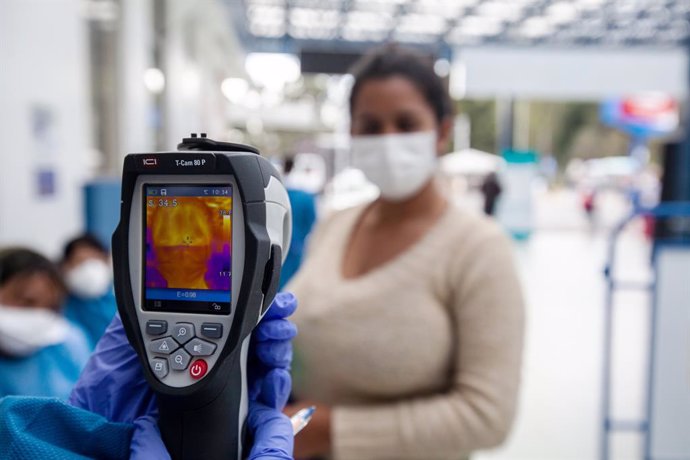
x=198, y=369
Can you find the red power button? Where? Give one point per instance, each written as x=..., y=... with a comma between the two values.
x=198, y=369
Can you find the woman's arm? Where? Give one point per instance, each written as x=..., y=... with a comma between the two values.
x=478, y=410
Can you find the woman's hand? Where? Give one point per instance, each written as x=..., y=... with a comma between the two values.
x=315, y=438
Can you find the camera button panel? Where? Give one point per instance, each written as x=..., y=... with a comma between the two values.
x=176, y=358
x=183, y=332
x=156, y=327
x=159, y=366
x=163, y=346
x=198, y=369
x=212, y=330
x=180, y=360
x=198, y=347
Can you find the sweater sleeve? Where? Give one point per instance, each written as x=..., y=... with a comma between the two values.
x=478, y=409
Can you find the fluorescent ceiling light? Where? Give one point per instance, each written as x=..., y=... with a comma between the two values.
x=422, y=24
x=266, y=14
x=266, y=21
x=536, y=27
x=273, y=70
x=251, y=3
x=369, y=21
x=382, y=6
x=499, y=10
x=442, y=7
x=154, y=80
x=589, y=4
x=234, y=89
x=561, y=12
x=320, y=4
x=480, y=25
x=307, y=17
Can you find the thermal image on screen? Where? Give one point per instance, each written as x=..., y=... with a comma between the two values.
x=188, y=248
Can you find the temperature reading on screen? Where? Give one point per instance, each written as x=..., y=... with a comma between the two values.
x=162, y=203
x=188, y=236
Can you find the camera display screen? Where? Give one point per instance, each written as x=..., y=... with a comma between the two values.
x=188, y=248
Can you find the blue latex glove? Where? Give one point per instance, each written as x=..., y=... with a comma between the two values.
x=113, y=386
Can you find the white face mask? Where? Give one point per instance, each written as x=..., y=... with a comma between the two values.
x=398, y=164
x=90, y=279
x=24, y=331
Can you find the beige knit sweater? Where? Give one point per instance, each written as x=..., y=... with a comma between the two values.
x=420, y=358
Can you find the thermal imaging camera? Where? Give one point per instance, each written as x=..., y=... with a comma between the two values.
x=197, y=256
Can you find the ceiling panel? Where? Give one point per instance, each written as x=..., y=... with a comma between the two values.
x=335, y=24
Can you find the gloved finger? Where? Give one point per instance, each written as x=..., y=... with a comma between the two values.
x=273, y=436
x=282, y=306
x=112, y=384
x=275, y=329
x=146, y=441
x=276, y=353
x=254, y=390
x=275, y=388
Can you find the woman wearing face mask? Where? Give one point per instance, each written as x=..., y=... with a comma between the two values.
x=41, y=353
x=91, y=301
x=411, y=314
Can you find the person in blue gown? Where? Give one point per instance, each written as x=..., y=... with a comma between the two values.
x=112, y=412
x=303, y=206
x=41, y=353
x=88, y=275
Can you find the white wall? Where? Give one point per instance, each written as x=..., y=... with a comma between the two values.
x=43, y=54
x=670, y=390
x=137, y=129
x=567, y=73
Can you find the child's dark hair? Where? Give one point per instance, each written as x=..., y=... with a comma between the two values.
x=20, y=262
x=393, y=60
x=86, y=239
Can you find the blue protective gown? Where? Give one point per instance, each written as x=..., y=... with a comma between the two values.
x=303, y=218
x=51, y=371
x=91, y=315
x=49, y=429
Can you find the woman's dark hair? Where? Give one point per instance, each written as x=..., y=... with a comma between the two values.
x=393, y=60
x=16, y=262
x=87, y=240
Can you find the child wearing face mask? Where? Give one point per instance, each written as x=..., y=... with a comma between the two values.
x=91, y=301
x=41, y=353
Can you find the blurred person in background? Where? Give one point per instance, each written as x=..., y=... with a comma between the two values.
x=41, y=353
x=411, y=313
x=589, y=206
x=112, y=411
x=491, y=189
x=88, y=275
x=303, y=218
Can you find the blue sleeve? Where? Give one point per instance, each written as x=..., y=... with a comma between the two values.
x=310, y=214
x=92, y=316
x=49, y=429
